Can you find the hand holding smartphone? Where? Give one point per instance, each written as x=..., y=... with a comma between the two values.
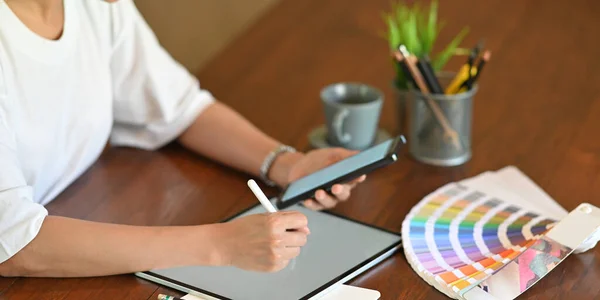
x=368, y=160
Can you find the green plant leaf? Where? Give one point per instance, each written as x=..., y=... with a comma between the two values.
x=416, y=9
x=443, y=57
x=462, y=52
x=401, y=13
x=423, y=34
x=432, y=31
x=441, y=26
x=418, y=27
x=411, y=35
x=394, y=37
x=402, y=16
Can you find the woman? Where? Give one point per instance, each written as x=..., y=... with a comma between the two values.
x=76, y=74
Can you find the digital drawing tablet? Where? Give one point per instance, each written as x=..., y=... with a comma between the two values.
x=337, y=250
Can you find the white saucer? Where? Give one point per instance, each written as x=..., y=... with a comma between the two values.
x=318, y=137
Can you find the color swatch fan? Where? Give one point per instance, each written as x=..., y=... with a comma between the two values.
x=478, y=239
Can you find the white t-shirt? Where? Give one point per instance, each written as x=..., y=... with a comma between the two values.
x=106, y=79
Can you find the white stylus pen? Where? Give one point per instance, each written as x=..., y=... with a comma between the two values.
x=261, y=196
x=265, y=203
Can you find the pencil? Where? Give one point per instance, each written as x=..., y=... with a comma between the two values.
x=474, y=53
x=166, y=297
x=484, y=59
x=410, y=62
x=461, y=77
x=407, y=74
x=449, y=132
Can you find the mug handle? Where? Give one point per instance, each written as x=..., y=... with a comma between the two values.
x=338, y=125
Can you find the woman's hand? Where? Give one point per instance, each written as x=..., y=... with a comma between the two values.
x=263, y=242
x=315, y=160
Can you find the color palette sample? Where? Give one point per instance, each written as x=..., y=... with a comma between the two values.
x=456, y=237
x=527, y=269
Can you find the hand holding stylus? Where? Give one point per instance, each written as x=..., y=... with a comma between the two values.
x=263, y=242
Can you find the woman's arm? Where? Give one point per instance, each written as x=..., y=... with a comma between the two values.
x=222, y=134
x=67, y=247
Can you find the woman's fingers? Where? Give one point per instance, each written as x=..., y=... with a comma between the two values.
x=288, y=253
x=314, y=205
x=294, y=239
x=342, y=192
x=358, y=180
x=325, y=199
x=339, y=192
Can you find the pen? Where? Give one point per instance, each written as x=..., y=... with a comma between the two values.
x=166, y=297
x=429, y=75
x=261, y=196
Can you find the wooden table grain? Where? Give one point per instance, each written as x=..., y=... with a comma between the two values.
x=538, y=108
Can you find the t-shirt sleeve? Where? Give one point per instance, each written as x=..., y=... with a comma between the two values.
x=155, y=97
x=20, y=217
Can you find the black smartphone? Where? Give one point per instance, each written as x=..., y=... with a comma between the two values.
x=346, y=170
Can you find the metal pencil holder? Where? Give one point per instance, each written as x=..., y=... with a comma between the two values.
x=427, y=139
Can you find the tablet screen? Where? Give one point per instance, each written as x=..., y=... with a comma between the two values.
x=335, y=247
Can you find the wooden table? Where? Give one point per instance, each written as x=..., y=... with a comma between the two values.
x=538, y=108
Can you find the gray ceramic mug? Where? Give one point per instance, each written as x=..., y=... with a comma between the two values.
x=352, y=113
